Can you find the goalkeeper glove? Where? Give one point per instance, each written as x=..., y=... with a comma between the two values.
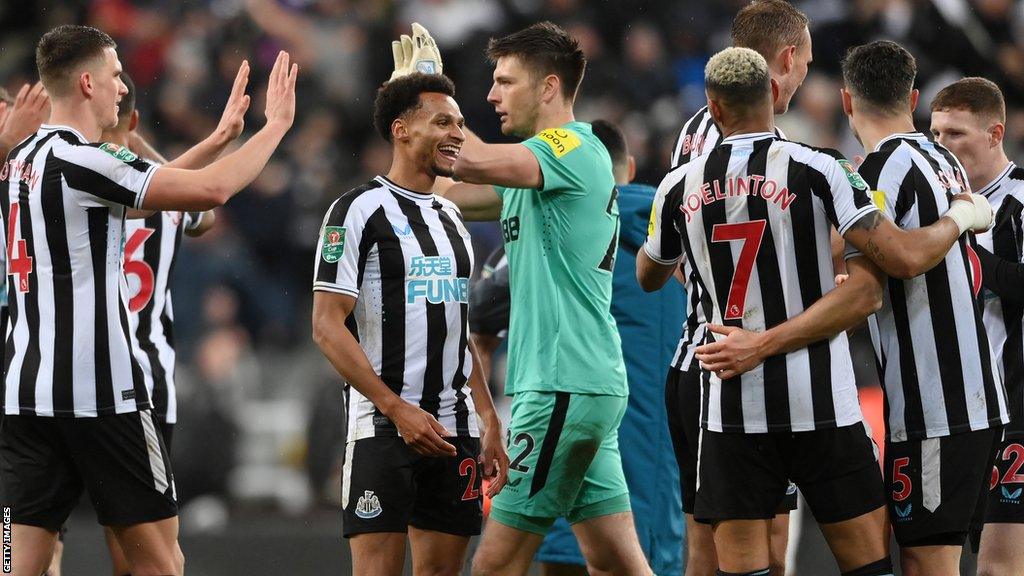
x=416, y=54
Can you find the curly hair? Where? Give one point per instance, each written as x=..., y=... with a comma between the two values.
x=402, y=96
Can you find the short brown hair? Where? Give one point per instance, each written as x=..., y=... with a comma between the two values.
x=881, y=73
x=544, y=48
x=977, y=95
x=767, y=26
x=61, y=50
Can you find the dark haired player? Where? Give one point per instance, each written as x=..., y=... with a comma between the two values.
x=77, y=411
x=945, y=399
x=390, y=306
x=566, y=373
x=969, y=118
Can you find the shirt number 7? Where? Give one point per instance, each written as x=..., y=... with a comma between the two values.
x=750, y=233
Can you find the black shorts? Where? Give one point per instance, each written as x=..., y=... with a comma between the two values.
x=937, y=488
x=1006, y=485
x=682, y=400
x=744, y=476
x=167, y=431
x=386, y=487
x=119, y=460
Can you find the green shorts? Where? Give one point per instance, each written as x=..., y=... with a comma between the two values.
x=565, y=460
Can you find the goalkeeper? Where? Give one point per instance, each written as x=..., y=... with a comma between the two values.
x=555, y=196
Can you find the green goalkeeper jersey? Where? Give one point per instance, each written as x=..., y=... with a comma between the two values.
x=561, y=242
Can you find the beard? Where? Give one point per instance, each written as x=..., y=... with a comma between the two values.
x=441, y=170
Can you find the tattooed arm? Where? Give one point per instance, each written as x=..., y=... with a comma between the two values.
x=903, y=253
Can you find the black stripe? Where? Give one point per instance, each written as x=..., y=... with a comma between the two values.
x=141, y=398
x=931, y=203
x=913, y=410
x=99, y=222
x=804, y=181
x=672, y=222
x=689, y=131
x=722, y=267
x=771, y=290
x=328, y=271
x=392, y=284
x=1006, y=243
x=151, y=254
x=871, y=168
x=437, y=320
x=30, y=366
x=52, y=200
x=96, y=184
x=463, y=269
x=547, y=448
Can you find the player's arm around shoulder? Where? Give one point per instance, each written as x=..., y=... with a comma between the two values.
x=505, y=165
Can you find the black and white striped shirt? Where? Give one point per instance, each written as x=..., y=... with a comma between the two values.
x=698, y=135
x=407, y=258
x=934, y=357
x=150, y=250
x=70, y=347
x=1003, y=318
x=754, y=217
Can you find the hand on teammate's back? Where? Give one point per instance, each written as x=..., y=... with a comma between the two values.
x=31, y=108
x=733, y=355
x=421, y=431
x=232, y=121
x=281, y=91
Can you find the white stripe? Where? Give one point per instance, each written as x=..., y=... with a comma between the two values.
x=931, y=474
x=346, y=473
x=156, y=457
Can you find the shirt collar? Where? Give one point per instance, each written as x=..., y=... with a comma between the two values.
x=55, y=127
x=748, y=137
x=994, y=184
x=909, y=135
x=417, y=196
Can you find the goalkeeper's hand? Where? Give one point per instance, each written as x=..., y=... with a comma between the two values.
x=416, y=54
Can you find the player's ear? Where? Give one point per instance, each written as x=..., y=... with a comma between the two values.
x=552, y=87
x=775, y=90
x=847, y=101
x=915, y=95
x=85, y=83
x=786, y=58
x=631, y=172
x=399, y=131
x=715, y=109
x=996, y=133
x=133, y=122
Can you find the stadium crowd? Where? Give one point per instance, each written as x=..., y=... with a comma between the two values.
x=243, y=303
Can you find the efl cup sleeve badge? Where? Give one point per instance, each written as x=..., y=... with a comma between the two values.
x=333, y=243
x=852, y=175
x=368, y=505
x=120, y=152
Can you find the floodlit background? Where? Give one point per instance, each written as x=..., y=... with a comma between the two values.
x=257, y=448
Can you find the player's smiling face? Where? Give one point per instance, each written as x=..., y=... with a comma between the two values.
x=966, y=134
x=107, y=87
x=435, y=133
x=516, y=96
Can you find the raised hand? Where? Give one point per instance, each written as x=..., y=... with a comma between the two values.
x=281, y=91
x=31, y=108
x=416, y=53
x=232, y=121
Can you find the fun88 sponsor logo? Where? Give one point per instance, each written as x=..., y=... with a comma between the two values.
x=430, y=278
